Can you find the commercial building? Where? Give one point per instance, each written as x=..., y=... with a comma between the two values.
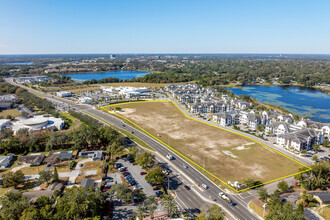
x=126, y=91
x=32, y=79
x=37, y=123
x=64, y=94
x=4, y=123
x=85, y=100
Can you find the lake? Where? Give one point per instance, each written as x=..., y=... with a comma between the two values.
x=297, y=100
x=20, y=63
x=102, y=75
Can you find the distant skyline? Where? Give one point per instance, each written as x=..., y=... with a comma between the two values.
x=164, y=27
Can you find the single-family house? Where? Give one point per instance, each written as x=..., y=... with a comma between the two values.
x=5, y=160
x=96, y=155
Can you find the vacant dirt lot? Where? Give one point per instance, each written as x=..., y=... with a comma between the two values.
x=228, y=156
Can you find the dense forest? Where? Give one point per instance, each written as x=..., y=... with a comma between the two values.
x=223, y=71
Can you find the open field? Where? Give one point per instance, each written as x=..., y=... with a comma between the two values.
x=228, y=156
x=13, y=112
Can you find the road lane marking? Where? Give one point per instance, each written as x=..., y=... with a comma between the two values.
x=169, y=147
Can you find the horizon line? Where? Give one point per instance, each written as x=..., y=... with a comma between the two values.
x=154, y=53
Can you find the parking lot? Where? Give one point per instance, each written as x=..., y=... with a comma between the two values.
x=140, y=179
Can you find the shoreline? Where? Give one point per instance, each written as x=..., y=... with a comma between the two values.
x=280, y=109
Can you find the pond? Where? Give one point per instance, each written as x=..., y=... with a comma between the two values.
x=102, y=75
x=301, y=101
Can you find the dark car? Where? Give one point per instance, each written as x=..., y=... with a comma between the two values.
x=118, y=165
x=143, y=173
x=196, y=210
x=187, y=187
x=156, y=188
x=158, y=193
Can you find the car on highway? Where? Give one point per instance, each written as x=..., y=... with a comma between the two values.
x=187, y=187
x=205, y=186
x=221, y=193
x=169, y=156
x=185, y=166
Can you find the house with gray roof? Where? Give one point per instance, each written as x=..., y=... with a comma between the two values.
x=6, y=101
x=96, y=155
x=33, y=159
x=89, y=183
x=5, y=160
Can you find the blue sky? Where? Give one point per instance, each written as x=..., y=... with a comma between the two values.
x=164, y=26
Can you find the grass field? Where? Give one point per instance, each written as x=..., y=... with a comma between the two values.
x=13, y=112
x=228, y=156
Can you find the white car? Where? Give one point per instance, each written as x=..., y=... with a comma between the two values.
x=205, y=186
x=169, y=156
x=220, y=194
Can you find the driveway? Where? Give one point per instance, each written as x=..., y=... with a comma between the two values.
x=19, y=167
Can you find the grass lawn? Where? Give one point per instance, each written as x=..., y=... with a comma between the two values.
x=93, y=165
x=13, y=112
x=32, y=170
x=75, y=123
x=258, y=209
x=323, y=211
x=228, y=156
x=62, y=167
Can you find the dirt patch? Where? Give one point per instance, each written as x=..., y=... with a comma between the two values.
x=229, y=156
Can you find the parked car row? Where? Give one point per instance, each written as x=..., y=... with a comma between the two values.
x=129, y=178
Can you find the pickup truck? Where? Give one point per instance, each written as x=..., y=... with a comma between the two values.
x=169, y=156
x=224, y=197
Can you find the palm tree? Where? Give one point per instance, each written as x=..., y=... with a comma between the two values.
x=140, y=212
x=150, y=200
x=152, y=208
x=170, y=207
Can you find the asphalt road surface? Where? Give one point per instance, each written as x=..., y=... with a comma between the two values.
x=240, y=211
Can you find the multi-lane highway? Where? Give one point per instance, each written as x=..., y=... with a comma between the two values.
x=190, y=175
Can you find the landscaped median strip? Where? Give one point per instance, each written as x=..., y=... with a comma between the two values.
x=183, y=156
x=142, y=144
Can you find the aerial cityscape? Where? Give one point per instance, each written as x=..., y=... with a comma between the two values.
x=205, y=110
